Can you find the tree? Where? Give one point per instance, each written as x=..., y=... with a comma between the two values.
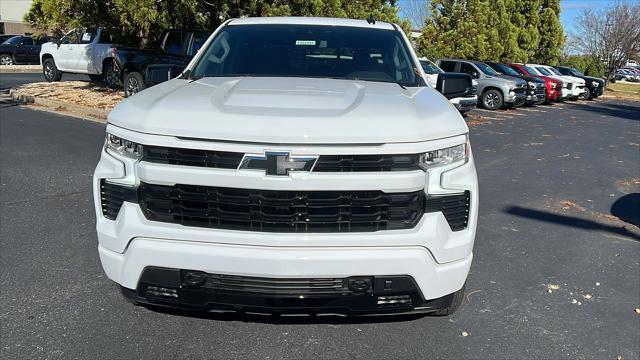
x=551, y=33
x=610, y=34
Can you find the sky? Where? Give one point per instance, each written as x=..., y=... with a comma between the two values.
x=569, y=9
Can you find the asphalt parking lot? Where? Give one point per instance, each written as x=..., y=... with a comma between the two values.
x=559, y=197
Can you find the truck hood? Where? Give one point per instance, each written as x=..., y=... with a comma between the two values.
x=289, y=111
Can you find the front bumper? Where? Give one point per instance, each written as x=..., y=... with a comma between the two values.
x=412, y=269
x=516, y=99
x=466, y=103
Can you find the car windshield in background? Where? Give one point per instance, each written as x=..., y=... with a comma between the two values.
x=576, y=72
x=505, y=69
x=555, y=71
x=429, y=67
x=13, y=41
x=529, y=70
x=338, y=52
x=543, y=71
x=486, y=69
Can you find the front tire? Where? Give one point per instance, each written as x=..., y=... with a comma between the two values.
x=492, y=99
x=133, y=83
x=7, y=59
x=50, y=70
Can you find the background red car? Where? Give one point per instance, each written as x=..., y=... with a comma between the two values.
x=554, y=87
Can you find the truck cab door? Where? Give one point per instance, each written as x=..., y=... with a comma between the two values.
x=66, y=51
x=83, y=58
x=24, y=50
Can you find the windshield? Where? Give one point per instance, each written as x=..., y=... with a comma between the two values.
x=529, y=70
x=543, y=71
x=13, y=41
x=555, y=71
x=430, y=68
x=308, y=51
x=505, y=69
x=486, y=69
x=575, y=71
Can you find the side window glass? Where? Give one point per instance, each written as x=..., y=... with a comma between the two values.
x=70, y=38
x=466, y=68
x=27, y=41
x=448, y=66
x=87, y=36
x=174, y=42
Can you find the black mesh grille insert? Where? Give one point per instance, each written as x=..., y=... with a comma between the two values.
x=301, y=286
x=454, y=207
x=192, y=157
x=281, y=211
x=372, y=163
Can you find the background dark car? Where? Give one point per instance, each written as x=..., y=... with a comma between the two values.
x=595, y=86
x=536, y=88
x=5, y=37
x=21, y=49
x=141, y=68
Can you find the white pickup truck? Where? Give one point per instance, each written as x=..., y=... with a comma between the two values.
x=298, y=165
x=81, y=51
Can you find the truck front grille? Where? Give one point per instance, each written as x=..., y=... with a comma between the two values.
x=281, y=211
x=325, y=163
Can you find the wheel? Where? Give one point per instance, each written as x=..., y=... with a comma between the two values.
x=458, y=296
x=110, y=74
x=96, y=78
x=133, y=83
x=587, y=94
x=6, y=59
x=50, y=70
x=492, y=99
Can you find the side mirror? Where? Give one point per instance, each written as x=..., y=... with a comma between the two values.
x=453, y=85
x=475, y=75
x=158, y=73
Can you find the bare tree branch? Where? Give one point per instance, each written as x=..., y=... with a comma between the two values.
x=611, y=34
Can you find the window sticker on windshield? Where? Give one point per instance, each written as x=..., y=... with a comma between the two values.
x=86, y=36
x=306, y=42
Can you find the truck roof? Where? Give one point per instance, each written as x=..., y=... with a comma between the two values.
x=303, y=20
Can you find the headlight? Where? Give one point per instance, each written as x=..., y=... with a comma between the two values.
x=512, y=86
x=442, y=157
x=595, y=83
x=553, y=85
x=531, y=84
x=123, y=147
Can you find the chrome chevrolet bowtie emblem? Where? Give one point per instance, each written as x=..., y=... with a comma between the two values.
x=277, y=163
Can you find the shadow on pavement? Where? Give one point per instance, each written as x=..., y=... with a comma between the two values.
x=627, y=209
x=614, y=109
x=571, y=221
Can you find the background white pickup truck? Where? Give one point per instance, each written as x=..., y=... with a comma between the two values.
x=80, y=51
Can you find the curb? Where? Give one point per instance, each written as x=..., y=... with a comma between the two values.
x=20, y=70
x=79, y=111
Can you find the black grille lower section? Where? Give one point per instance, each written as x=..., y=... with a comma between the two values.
x=281, y=211
x=112, y=196
x=192, y=157
x=373, y=163
x=454, y=207
x=294, y=286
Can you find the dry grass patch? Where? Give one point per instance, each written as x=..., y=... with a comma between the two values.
x=82, y=93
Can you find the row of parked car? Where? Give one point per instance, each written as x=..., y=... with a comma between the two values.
x=100, y=54
x=627, y=74
x=511, y=85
